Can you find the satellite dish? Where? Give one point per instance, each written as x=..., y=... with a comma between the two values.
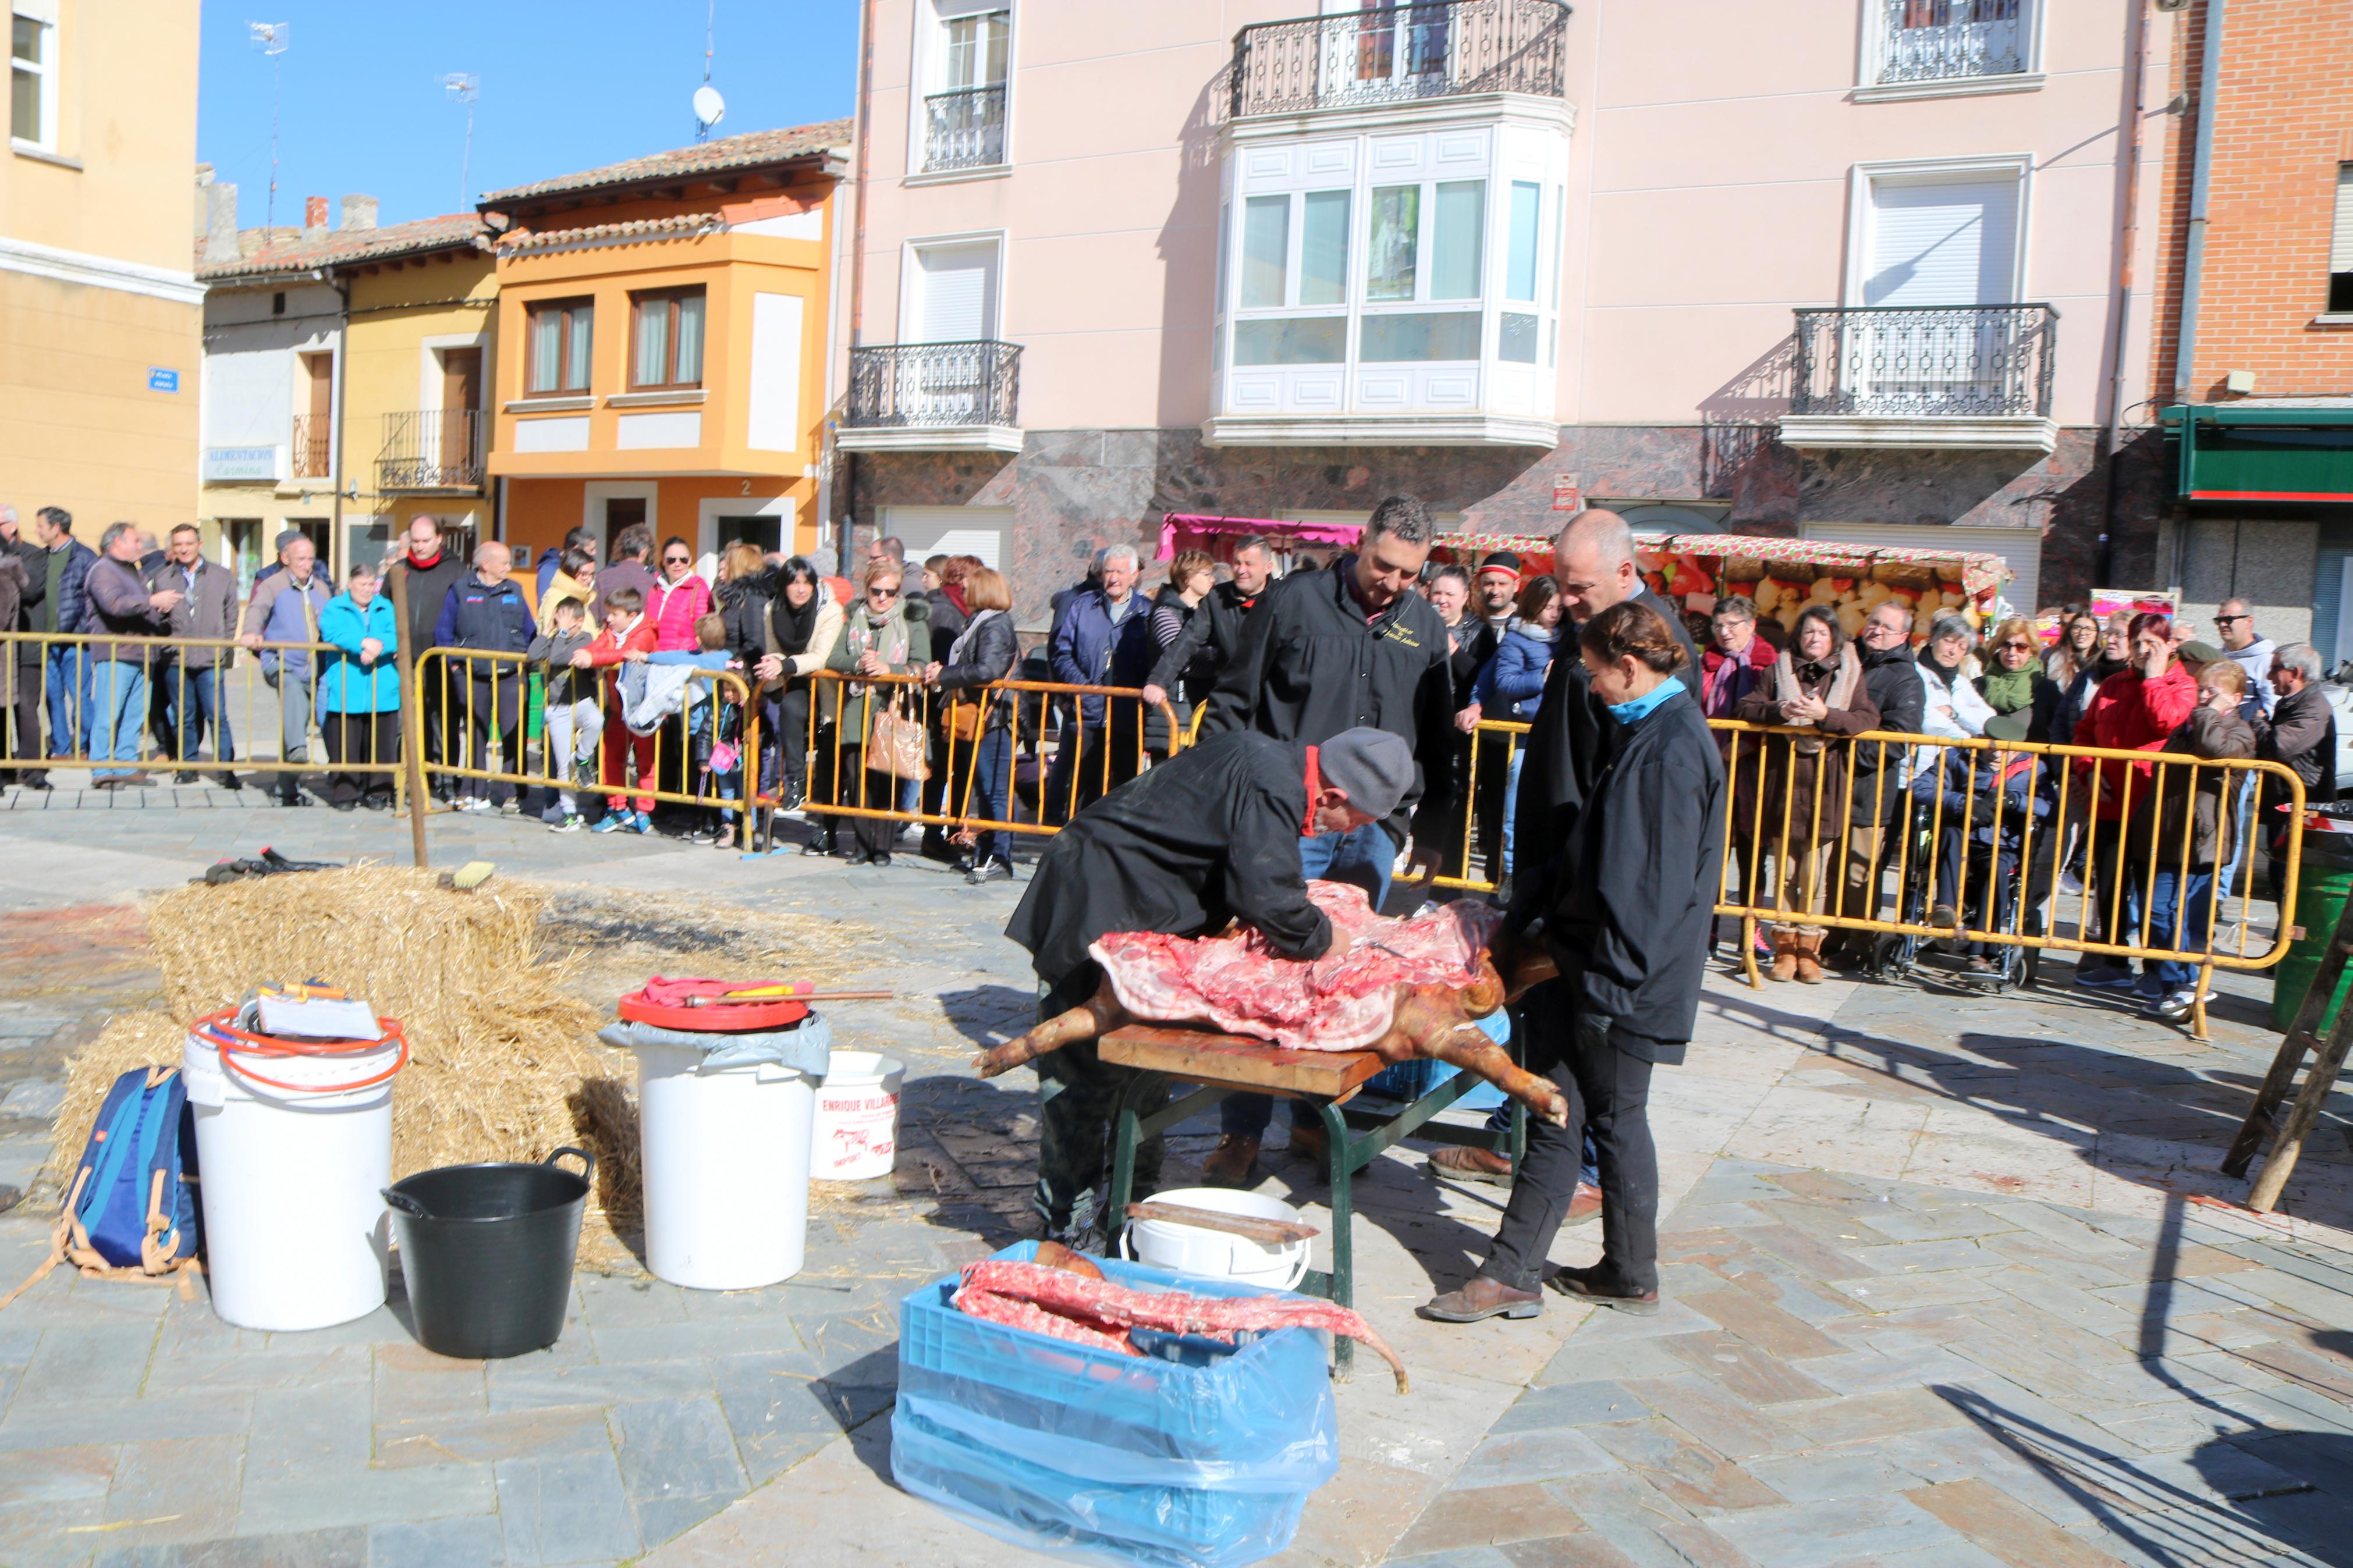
x=709, y=107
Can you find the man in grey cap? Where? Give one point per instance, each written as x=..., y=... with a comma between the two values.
x=1211, y=835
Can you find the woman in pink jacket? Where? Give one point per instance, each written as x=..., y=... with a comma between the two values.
x=677, y=600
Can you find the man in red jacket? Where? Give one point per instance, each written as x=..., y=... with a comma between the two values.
x=2135, y=709
x=626, y=637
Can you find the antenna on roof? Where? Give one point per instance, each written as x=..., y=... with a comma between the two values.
x=272, y=38
x=710, y=108
x=464, y=87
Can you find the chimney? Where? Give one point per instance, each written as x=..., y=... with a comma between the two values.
x=314, y=217
x=220, y=221
x=359, y=211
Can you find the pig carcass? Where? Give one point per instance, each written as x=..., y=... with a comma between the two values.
x=1401, y=988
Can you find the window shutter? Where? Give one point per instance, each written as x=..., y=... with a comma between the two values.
x=1942, y=243
x=959, y=293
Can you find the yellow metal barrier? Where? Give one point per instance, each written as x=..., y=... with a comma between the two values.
x=480, y=704
x=156, y=706
x=1065, y=769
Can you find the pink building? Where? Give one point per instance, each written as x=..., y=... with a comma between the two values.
x=1854, y=268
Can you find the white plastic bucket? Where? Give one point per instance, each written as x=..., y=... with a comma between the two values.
x=857, y=1135
x=295, y=1226
x=726, y=1163
x=1191, y=1249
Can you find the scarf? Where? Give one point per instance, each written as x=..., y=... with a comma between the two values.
x=1642, y=706
x=955, y=591
x=2008, y=691
x=1788, y=685
x=793, y=627
x=964, y=638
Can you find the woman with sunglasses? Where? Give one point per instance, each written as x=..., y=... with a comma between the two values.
x=678, y=599
x=2014, y=682
x=877, y=638
x=2073, y=664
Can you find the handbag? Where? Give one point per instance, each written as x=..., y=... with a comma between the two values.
x=897, y=745
x=965, y=719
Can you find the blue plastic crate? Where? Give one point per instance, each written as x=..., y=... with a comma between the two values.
x=1410, y=1081
x=1111, y=1458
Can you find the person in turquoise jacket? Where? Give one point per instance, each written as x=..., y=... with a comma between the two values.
x=359, y=691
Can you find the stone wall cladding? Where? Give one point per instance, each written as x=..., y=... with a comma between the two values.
x=1074, y=492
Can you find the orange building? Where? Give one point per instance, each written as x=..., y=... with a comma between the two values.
x=667, y=324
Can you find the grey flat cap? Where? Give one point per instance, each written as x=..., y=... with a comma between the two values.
x=1374, y=766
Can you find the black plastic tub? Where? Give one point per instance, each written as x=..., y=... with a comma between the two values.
x=487, y=1252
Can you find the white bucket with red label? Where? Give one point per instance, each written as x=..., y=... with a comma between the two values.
x=857, y=1134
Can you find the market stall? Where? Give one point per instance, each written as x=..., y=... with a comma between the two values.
x=1783, y=575
x=1215, y=535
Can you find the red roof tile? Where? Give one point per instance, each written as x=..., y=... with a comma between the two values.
x=344, y=246
x=747, y=151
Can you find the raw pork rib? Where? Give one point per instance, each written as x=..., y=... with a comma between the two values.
x=1341, y=1002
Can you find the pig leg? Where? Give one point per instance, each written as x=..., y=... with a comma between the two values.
x=1096, y=1016
x=1522, y=965
x=1468, y=1047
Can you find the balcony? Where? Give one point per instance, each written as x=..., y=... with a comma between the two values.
x=1932, y=47
x=932, y=397
x=1962, y=377
x=431, y=449
x=963, y=130
x=312, y=451
x=1401, y=54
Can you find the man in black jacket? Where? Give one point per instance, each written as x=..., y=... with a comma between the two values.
x=1892, y=677
x=1211, y=835
x=1220, y=627
x=20, y=672
x=484, y=613
x=1328, y=651
x=2300, y=731
x=431, y=569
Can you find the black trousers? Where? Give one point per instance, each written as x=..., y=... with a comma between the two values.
x=1078, y=1095
x=356, y=738
x=1607, y=1081
x=21, y=712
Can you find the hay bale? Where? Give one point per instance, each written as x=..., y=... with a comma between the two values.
x=504, y=1063
x=129, y=1040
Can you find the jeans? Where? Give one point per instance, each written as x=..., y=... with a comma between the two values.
x=196, y=706
x=1512, y=804
x=2194, y=908
x=1607, y=1081
x=572, y=729
x=67, y=683
x=119, y=699
x=1363, y=856
x=992, y=772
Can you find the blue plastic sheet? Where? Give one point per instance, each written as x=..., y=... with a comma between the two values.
x=1099, y=1457
x=807, y=1048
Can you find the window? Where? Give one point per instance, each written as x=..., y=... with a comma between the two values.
x=2340, y=246
x=1937, y=40
x=1520, y=248
x=1455, y=241
x=31, y=98
x=1324, y=250
x=964, y=113
x=668, y=349
x=1266, y=251
x=559, y=346
x=975, y=55
x=1396, y=242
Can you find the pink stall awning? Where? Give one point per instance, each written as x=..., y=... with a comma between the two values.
x=1180, y=529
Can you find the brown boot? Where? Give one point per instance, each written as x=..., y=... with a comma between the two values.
x=1808, y=952
x=1308, y=1142
x=1785, y=955
x=1480, y=1298
x=1231, y=1162
x=1466, y=1164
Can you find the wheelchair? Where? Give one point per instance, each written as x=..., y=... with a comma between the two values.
x=1990, y=853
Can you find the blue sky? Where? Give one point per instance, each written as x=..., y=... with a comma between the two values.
x=565, y=85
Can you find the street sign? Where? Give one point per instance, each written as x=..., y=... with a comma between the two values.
x=161, y=380
x=1566, y=494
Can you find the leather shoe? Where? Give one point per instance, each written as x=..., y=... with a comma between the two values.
x=1467, y=1164
x=1585, y=1207
x=1308, y=1142
x=1587, y=1285
x=1480, y=1298
x=1231, y=1162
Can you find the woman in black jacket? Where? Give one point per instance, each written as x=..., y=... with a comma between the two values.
x=984, y=652
x=1628, y=906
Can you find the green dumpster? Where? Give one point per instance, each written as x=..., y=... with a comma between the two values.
x=2323, y=884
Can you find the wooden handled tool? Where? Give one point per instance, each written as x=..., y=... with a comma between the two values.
x=1266, y=1232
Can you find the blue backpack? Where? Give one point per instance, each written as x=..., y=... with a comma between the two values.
x=130, y=1211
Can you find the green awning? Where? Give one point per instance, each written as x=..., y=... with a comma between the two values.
x=2270, y=453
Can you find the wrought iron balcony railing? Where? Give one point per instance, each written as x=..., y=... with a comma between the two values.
x=1933, y=40
x=312, y=451
x=1916, y=361
x=904, y=386
x=1424, y=49
x=431, y=449
x=964, y=129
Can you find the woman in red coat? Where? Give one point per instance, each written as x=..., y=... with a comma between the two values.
x=2135, y=709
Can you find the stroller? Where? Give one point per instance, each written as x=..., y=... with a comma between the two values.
x=1974, y=823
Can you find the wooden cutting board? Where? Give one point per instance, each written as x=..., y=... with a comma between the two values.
x=1198, y=1056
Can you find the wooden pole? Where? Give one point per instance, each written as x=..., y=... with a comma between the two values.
x=412, y=761
x=2302, y=1036
x=2280, y=1163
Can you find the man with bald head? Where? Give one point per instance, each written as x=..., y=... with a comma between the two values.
x=1572, y=737
x=485, y=613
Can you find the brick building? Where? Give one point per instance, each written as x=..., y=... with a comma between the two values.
x=2253, y=353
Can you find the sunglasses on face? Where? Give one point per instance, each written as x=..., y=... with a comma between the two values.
x=882, y=593
x=674, y=560
x=2226, y=620
x=2016, y=648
